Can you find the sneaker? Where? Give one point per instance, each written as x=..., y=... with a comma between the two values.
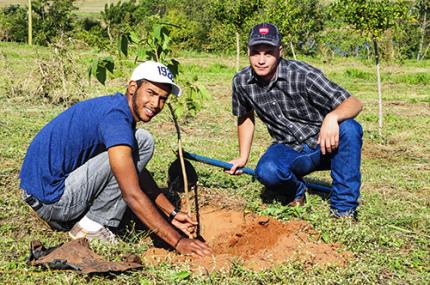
x=344, y=214
x=298, y=202
x=103, y=235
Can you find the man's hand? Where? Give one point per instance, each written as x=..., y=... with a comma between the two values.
x=329, y=134
x=184, y=222
x=193, y=246
x=237, y=163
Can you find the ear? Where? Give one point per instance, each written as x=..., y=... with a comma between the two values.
x=280, y=50
x=132, y=87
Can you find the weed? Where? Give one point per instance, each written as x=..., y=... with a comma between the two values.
x=359, y=74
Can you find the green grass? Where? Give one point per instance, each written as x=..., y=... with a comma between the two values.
x=390, y=244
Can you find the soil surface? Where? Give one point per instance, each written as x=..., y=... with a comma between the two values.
x=257, y=242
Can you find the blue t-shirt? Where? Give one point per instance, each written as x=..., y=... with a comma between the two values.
x=72, y=138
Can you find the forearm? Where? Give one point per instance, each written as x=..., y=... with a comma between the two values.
x=245, y=131
x=121, y=161
x=150, y=187
x=145, y=210
x=348, y=109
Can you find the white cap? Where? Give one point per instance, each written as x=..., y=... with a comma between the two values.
x=155, y=72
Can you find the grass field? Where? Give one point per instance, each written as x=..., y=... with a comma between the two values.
x=390, y=243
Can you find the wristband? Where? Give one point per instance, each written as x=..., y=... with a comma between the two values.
x=172, y=215
x=177, y=242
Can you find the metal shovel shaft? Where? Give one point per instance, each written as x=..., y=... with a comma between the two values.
x=249, y=171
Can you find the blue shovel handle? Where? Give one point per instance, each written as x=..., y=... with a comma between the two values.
x=218, y=163
x=250, y=171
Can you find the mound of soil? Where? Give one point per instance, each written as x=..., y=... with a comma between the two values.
x=258, y=242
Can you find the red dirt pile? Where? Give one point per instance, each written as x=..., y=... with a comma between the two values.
x=258, y=242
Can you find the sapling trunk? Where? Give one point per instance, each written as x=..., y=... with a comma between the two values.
x=378, y=78
x=30, y=24
x=237, y=51
x=292, y=50
x=181, y=159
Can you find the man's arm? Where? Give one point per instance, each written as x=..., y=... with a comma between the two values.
x=152, y=190
x=121, y=161
x=181, y=221
x=329, y=132
x=245, y=132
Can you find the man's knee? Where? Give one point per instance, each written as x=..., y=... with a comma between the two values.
x=350, y=129
x=145, y=141
x=268, y=173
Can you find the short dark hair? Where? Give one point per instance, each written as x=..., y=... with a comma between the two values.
x=141, y=81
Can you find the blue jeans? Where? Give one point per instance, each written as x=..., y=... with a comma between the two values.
x=282, y=166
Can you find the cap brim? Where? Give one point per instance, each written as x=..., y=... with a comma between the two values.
x=176, y=90
x=262, y=41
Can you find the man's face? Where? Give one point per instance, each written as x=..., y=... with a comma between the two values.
x=264, y=60
x=148, y=100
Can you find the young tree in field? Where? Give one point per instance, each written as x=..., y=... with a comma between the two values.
x=52, y=19
x=372, y=18
x=30, y=24
x=423, y=15
x=297, y=20
x=235, y=12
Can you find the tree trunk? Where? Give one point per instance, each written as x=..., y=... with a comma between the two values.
x=423, y=32
x=292, y=50
x=368, y=51
x=425, y=51
x=378, y=77
x=237, y=51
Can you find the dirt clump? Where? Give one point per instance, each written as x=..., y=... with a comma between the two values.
x=258, y=242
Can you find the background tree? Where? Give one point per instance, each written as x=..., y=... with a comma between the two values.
x=13, y=23
x=209, y=25
x=52, y=19
x=423, y=16
x=237, y=13
x=299, y=21
x=120, y=17
x=372, y=18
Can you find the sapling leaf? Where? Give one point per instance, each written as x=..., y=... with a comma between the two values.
x=134, y=38
x=101, y=74
x=109, y=63
x=325, y=237
x=182, y=275
x=123, y=45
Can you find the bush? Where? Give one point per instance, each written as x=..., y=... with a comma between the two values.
x=13, y=24
x=90, y=31
x=186, y=33
x=52, y=19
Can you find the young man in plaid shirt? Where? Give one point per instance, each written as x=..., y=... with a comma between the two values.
x=309, y=118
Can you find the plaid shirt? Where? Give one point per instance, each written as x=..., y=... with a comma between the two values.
x=293, y=105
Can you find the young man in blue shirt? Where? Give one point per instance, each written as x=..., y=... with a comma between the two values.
x=309, y=118
x=86, y=166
